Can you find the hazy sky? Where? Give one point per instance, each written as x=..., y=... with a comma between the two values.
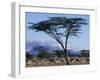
x=75, y=43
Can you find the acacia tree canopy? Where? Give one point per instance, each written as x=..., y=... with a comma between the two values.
x=58, y=27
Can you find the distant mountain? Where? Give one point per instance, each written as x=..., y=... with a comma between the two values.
x=73, y=52
x=50, y=46
x=31, y=44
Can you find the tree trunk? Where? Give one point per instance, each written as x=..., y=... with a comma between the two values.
x=65, y=50
x=66, y=57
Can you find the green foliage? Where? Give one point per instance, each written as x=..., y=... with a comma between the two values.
x=29, y=56
x=42, y=52
x=59, y=53
x=85, y=53
x=54, y=24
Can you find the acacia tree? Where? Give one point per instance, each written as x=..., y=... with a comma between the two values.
x=42, y=52
x=58, y=28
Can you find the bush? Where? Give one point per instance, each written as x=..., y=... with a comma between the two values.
x=59, y=53
x=29, y=56
x=42, y=52
x=85, y=53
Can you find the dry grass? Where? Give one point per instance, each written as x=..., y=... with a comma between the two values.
x=57, y=61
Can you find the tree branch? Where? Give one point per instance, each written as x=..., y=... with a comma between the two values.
x=55, y=36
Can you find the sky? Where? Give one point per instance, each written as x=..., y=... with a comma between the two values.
x=75, y=43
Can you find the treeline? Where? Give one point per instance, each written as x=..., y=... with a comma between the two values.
x=43, y=53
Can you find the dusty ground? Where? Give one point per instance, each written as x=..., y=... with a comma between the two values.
x=57, y=61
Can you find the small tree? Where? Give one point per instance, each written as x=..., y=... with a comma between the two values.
x=85, y=53
x=58, y=28
x=42, y=52
x=59, y=53
x=28, y=56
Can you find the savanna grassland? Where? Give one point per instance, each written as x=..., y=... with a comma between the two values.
x=57, y=59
